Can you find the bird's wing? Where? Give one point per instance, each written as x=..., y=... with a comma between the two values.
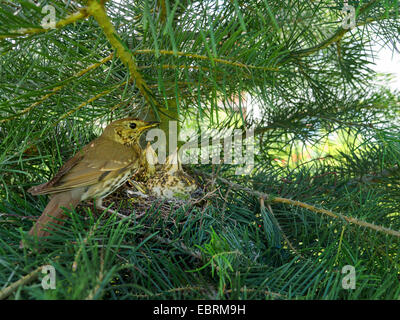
x=92, y=164
x=44, y=187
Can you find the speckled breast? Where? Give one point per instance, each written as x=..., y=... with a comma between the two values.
x=109, y=181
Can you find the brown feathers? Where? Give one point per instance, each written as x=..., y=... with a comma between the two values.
x=94, y=172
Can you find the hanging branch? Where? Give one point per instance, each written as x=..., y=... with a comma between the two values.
x=336, y=37
x=307, y=206
x=81, y=14
x=97, y=10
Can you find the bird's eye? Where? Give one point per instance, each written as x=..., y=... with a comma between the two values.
x=132, y=125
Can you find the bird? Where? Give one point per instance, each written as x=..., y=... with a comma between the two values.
x=94, y=172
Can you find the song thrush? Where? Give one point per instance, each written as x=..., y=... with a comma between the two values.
x=94, y=172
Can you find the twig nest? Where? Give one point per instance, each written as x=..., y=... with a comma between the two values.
x=167, y=186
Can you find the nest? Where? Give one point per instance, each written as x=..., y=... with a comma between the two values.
x=163, y=188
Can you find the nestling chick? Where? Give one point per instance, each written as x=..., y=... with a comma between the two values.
x=167, y=181
x=94, y=172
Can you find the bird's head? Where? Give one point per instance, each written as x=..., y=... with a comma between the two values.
x=128, y=130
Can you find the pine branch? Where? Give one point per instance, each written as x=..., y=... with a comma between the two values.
x=83, y=104
x=99, y=279
x=378, y=177
x=98, y=12
x=21, y=282
x=58, y=88
x=336, y=37
x=202, y=57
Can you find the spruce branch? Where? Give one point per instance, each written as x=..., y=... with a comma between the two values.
x=198, y=288
x=262, y=205
x=206, y=65
x=377, y=177
x=163, y=10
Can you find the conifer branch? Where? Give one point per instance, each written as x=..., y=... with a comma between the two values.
x=203, y=57
x=21, y=282
x=97, y=96
x=336, y=37
x=98, y=11
x=58, y=88
x=79, y=15
x=307, y=206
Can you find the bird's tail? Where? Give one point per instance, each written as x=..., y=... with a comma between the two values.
x=53, y=214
